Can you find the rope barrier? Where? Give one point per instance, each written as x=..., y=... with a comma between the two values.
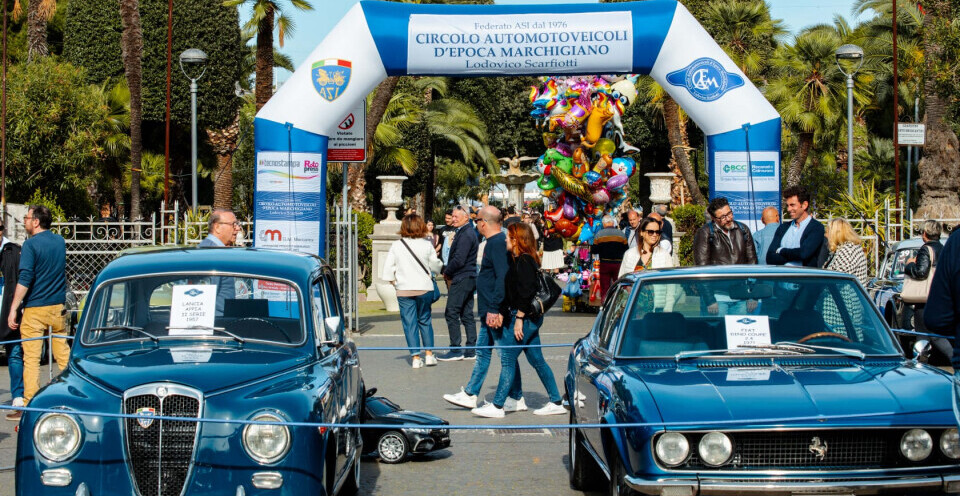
x=36, y=339
x=333, y=425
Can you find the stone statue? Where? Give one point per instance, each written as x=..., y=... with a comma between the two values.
x=513, y=163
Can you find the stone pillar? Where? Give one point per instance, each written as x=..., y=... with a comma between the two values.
x=660, y=183
x=384, y=234
x=516, y=184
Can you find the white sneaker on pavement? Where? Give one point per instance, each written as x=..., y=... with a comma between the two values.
x=488, y=410
x=431, y=360
x=18, y=401
x=512, y=405
x=417, y=363
x=550, y=409
x=462, y=399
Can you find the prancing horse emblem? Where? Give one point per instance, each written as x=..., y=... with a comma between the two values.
x=818, y=448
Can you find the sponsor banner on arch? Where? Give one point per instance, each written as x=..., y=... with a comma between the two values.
x=287, y=235
x=288, y=202
x=597, y=42
x=749, y=191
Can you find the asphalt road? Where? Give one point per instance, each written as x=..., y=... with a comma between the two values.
x=478, y=461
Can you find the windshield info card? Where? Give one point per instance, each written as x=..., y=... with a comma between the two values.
x=747, y=330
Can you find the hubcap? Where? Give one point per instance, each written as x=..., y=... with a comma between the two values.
x=391, y=447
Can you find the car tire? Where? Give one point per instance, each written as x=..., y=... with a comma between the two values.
x=392, y=447
x=584, y=472
x=617, y=486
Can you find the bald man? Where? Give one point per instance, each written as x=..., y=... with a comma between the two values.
x=764, y=236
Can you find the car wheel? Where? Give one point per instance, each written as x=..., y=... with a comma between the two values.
x=584, y=472
x=617, y=486
x=392, y=447
x=351, y=486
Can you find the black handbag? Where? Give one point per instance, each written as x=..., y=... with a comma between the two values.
x=548, y=292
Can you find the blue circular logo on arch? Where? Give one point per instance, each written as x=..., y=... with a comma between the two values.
x=705, y=79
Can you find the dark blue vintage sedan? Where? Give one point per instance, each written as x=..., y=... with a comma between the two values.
x=236, y=334
x=755, y=380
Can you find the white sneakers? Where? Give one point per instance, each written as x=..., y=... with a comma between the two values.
x=430, y=360
x=512, y=405
x=462, y=399
x=18, y=401
x=488, y=410
x=417, y=363
x=550, y=409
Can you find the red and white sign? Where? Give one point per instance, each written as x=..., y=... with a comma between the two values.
x=348, y=143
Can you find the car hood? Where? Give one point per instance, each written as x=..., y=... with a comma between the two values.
x=696, y=393
x=207, y=369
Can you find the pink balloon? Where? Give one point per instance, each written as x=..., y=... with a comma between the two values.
x=601, y=196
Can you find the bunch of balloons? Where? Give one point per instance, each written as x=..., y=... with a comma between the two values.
x=587, y=163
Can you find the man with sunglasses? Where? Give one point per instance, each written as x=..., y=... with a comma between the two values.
x=723, y=240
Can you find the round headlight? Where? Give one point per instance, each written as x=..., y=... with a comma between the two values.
x=57, y=436
x=266, y=443
x=950, y=443
x=916, y=444
x=673, y=449
x=715, y=448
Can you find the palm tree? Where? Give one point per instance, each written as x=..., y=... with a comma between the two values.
x=39, y=12
x=809, y=91
x=267, y=14
x=116, y=98
x=131, y=47
x=746, y=32
x=940, y=166
x=874, y=163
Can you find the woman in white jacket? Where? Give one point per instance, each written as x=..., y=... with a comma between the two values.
x=411, y=265
x=651, y=252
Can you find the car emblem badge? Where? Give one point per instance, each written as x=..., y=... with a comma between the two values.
x=162, y=392
x=818, y=448
x=146, y=412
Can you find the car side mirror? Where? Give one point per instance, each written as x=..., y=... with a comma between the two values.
x=332, y=325
x=921, y=350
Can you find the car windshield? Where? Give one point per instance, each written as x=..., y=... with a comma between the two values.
x=382, y=406
x=825, y=315
x=194, y=306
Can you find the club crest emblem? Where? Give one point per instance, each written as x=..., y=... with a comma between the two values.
x=194, y=292
x=146, y=412
x=746, y=321
x=705, y=79
x=330, y=77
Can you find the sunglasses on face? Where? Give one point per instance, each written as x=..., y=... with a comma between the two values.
x=652, y=232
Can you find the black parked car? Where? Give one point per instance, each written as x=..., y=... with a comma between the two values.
x=393, y=444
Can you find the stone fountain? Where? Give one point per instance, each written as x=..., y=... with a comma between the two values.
x=515, y=179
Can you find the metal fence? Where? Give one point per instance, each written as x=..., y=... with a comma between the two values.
x=343, y=246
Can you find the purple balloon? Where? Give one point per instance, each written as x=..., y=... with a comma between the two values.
x=569, y=211
x=617, y=181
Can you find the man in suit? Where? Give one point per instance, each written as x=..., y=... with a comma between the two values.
x=798, y=241
x=222, y=229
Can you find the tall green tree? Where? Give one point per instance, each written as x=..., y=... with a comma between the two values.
x=746, y=32
x=131, y=47
x=267, y=15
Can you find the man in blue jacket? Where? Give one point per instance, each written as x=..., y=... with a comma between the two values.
x=491, y=290
x=798, y=241
x=461, y=276
x=942, y=312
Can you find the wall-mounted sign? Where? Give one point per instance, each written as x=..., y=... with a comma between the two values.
x=909, y=134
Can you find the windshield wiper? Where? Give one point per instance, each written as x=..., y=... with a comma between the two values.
x=211, y=329
x=796, y=348
x=153, y=338
x=843, y=351
x=745, y=350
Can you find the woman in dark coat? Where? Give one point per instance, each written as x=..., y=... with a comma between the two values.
x=9, y=265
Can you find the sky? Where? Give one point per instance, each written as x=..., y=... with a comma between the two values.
x=312, y=26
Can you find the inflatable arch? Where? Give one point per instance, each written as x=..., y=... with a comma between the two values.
x=379, y=39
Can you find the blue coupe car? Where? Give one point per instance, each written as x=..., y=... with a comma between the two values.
x=233, y=334
x=755, y=380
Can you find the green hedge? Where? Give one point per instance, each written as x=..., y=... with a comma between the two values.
x=689, y=218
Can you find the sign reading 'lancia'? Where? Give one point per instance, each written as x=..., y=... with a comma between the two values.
x=705, y=79
x=330, y=77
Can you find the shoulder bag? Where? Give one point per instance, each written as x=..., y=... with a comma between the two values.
x=916, y=290
x=436, y=289
x=548, y=292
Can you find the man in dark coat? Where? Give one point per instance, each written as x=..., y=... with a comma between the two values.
x=942, y=312
x=723, y=241
x=800, y=240
x=461, y=276
x=9, y=264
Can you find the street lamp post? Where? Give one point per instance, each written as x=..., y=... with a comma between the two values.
x=850, y=56
x=196, y=58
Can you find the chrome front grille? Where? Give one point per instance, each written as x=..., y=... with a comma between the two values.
x=161, y=451
x=823, y=449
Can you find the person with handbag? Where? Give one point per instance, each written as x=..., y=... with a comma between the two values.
x=524, y=304
x=918, y=276
x=411, y=265
x=846, y=251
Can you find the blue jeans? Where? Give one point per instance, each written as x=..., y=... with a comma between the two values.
x=479, y=374
x=509, y=368
x=415, y=317
x=15, y=363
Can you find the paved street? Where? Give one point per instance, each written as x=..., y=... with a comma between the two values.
x=478, y=462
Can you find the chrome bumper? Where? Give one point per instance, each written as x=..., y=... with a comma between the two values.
x=790, y=487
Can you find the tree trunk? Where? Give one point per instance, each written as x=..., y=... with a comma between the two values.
x=224, y=143
x=430, y=197
x=117, y=183
x=939, y=168
x=356, y=174
x=671, y=117
x=131, y=43
x=799, y=158
x=263, y=84
x=36, y=32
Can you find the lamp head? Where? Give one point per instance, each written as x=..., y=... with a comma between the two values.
x=849, y=59
x=193, y=57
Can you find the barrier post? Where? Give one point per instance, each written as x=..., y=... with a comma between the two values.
x=50, y=351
